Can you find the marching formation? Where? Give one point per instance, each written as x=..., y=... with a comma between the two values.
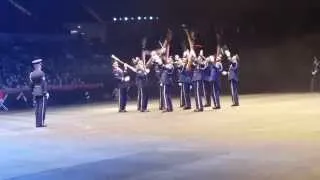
x=196, y=72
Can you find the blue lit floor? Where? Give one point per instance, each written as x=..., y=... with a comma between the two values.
x=268, y=137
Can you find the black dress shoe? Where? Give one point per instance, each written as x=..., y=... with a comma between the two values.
x=207, y=105
x=166, y=111
x=186, y=108
x=234, y=105
x=123, y=111
x=198, y=110
x=216, y=107
x=145, y=110
x=41, y=126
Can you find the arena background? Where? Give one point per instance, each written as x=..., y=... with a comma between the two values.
x=275, y=51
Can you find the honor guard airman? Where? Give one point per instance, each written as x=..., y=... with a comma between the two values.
x=123, y=84
x=216, y=69
x=206, y=85
x=167, y=81
x=39, y=91
x=233, y=77
x=142, y=83
x=156, y=62
x=197, y=80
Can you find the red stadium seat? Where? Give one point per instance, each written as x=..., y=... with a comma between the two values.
x=3, y=97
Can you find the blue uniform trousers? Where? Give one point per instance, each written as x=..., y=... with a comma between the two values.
x=197, y=91
x=40, y=110
x=161, y=102
x=234, y=91
x=182, y=99
x=123, y=94
x=216, y=89
x=142, y=99
x=206, y=89
x=167, y=89
x=186, y=95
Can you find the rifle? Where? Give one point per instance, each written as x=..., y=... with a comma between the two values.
x=118, y=60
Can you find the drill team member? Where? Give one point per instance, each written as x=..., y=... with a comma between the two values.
x=142, y=83
x=206, y=85
x=216, y=69
x=233, y=77
x=197, y=79
x=167, y=82
x=39, y=91
x=179, y=68
x=122, y=81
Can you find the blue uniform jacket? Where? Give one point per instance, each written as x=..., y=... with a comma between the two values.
x=197, y=72
x=119, y=75
x=167, y=74
x=215, y=71
x=234, y=71
x=38, y=83
x=141, y=78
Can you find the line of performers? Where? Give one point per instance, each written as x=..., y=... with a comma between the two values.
x=195, y=71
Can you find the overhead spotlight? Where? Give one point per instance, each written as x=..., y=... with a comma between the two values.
x=74, y=32
x=145, y=18
x=151, y=18
x=157, y=18
x=126, y=18
x=120, y=19
x=114, y=19
x=132, y=18
x=79, y=26
x=139, y=18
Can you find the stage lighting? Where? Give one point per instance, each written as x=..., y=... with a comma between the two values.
x=120, y=19
x=139, y=18
x=126, y=18
x=151, y=18
x=74, y=32
x=157, y=18
x=114, y=19
x=132, y=18
x=145, y=18
x=79, y=27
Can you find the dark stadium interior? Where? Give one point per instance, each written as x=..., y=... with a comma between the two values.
x=270, y=136
x=276, y=40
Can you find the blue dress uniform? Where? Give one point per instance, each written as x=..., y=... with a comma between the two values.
x=215, y=78
x=142, y=82
x=206, y=86
x=186, y=86
x=180, y=82
x=158, y=72
x=167, y=81
x=197, y=80
x=40, y=92
x=233, y=76
x=122, y=81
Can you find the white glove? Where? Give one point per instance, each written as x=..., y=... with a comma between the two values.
x=227, y=53
x=224, y=73
x=47, y=95
x=125, y=66
x=180, y=84
x=127, y=79
x=158, y=60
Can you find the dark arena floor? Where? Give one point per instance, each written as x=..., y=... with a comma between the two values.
x=269, y=137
